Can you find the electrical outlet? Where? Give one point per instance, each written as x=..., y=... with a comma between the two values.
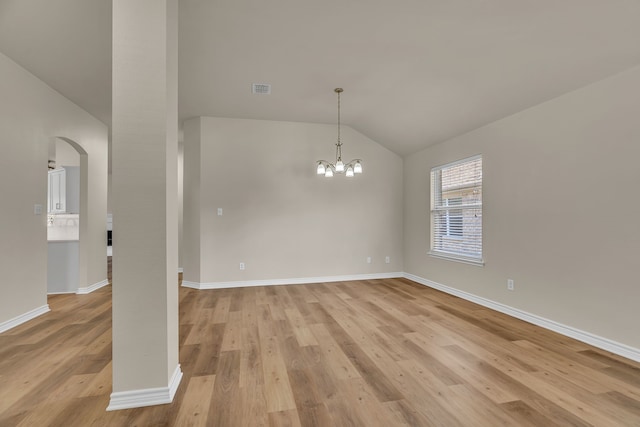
x=242, y=266
x=368, y=260
x=219, y=211
x=510, y=284
x=387, y=260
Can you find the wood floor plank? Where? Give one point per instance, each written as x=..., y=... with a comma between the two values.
x=625, y=405
x=365, y=404
x=250, y=358
x=197, y=399
x=207, y=356
x=595, y=380
x=518, y=371
x=426, y=394
x=302, y=364
x=404, y=415
x=223, y=408
x=419, y=349
x=78, y=412
x=337, y=361
x=35, y=380
x=201, y=327
x=99, y=384
x=483, y=377
x=50, y=410
x=302, y=332
x=221, y=311
x=284, y=419
x=473, y=407
x=276, y=380
x=232, y=339
x=362, y=353
x=253, y=407
x=384, y=388
x=526, y=416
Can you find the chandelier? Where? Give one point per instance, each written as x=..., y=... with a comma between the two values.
x=328, y=169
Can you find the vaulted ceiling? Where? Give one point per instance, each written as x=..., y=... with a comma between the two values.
x=415, y=72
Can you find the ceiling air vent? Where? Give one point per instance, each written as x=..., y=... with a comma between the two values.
x=261, y=88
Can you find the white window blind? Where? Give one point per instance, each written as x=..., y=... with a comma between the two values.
x=456, y=210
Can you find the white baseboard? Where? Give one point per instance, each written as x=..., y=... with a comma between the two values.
x=12, y=323
x=293, y=281
x=180, y=270
x=91, y=288
x=146, y=397
x=586, y=337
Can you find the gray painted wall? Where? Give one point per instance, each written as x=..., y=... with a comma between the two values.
x=561, y=209
x=31, y=115
x=280, y=218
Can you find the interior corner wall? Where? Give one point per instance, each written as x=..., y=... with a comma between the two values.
x=191, y=161
x=180, y=201
x=278, y=217
x=31, y=113
x=560, y=210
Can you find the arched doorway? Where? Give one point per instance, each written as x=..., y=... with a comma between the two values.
x=66, y=216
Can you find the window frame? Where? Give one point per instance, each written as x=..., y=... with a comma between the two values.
x=435, y=211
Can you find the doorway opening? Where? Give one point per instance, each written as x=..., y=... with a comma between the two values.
x=66, y=222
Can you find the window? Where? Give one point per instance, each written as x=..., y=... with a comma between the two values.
x=456, y=210
x=453, y=218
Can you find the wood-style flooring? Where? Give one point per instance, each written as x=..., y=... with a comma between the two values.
x=364, y=353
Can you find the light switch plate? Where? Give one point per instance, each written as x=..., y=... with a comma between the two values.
x=37, y=209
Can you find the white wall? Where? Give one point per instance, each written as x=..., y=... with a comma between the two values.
x=32, y=113
x=561, y=209
x=279, y=217
x=66, y=155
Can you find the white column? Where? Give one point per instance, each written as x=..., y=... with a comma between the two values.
x=145, y=218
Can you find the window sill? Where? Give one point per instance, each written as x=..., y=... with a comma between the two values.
x=457, y=258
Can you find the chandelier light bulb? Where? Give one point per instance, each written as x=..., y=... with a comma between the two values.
x=328, y=173
x=357, y=168
x=349, y=172
x=339, y=166
x=321, y=169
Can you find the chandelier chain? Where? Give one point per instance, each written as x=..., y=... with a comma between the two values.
x=338, y=115
x=339, y=144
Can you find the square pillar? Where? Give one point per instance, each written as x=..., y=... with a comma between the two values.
x=146, y=368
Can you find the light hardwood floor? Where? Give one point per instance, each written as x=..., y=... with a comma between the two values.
x=364, y=353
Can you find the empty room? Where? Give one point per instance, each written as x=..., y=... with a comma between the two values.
x=357, y=213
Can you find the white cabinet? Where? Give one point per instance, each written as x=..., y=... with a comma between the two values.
x=64, y=190
x=57, y=191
